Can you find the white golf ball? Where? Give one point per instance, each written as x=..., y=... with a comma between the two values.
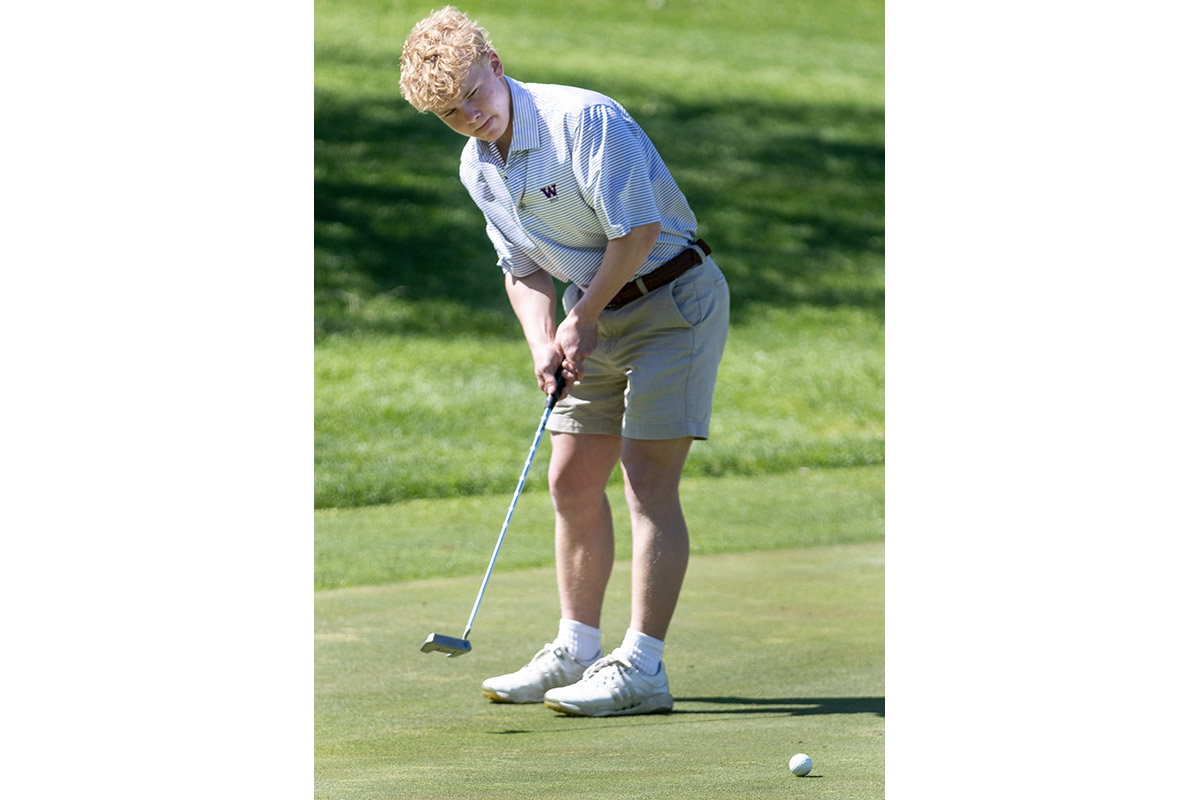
x=800, y=764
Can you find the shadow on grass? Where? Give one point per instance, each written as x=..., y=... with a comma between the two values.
x=792, y=706
x=795, y=706
x=790, y=197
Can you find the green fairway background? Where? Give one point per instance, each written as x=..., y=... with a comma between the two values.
x=770, y=117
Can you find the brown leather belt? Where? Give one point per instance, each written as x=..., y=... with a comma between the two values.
x=661, y=276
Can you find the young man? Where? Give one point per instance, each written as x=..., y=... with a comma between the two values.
x=571, y=188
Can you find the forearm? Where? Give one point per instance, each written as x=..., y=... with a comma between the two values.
x=533, y=299
x=622, y=258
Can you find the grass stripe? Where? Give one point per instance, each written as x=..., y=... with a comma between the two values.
x=442, y=538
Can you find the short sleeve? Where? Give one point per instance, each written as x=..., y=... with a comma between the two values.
x=611, y=164
x=510, y=259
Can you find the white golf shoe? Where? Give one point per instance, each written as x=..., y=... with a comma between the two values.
x=553, y=666
x=613, y=687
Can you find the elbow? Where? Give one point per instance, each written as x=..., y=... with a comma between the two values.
x=645, y=235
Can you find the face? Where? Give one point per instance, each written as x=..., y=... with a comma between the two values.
x=485, y=109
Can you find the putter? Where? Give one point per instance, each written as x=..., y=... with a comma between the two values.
x=456, y=647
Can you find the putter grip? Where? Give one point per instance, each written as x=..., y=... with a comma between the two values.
x=560, y=384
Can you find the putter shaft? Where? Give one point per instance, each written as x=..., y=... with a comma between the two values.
x=507, y=518
x=457, y=647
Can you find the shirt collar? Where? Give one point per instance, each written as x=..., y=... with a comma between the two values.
x=525, y=118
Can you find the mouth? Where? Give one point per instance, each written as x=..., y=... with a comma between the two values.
x=482, y=128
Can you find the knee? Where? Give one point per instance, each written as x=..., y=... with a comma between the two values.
x=573, y=491
x=648, y=490
x=652, y=473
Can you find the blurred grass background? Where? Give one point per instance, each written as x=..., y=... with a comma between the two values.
x=770, y=117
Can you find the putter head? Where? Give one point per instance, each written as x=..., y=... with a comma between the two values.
x=446, y=644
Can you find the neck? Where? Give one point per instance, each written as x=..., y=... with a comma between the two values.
x=506, y=138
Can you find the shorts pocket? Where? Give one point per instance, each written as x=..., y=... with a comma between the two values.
x=696, y=296
x=687, y=301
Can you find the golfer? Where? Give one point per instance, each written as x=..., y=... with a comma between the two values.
x=571, y=188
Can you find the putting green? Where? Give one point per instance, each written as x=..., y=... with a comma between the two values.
x=771, y=653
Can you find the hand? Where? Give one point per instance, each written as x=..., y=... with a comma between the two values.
x=546, y=361
x=575, y=340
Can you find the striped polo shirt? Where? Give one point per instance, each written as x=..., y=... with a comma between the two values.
x=580, y=172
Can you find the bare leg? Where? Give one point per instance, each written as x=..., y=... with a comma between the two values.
x=580, y=467
x=660, y=536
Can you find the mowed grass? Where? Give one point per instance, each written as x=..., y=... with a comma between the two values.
x=774, y=651
x=441, y=538
x=418, y=417
x=770, y=654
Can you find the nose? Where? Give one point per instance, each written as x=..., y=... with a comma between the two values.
x=471, y=113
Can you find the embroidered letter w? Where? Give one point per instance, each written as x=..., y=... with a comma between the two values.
x=550, y=191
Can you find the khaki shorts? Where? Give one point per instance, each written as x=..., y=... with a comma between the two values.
x=654, y=370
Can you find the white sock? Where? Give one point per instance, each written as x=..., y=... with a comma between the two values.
x=644, y=652
x=581, y=641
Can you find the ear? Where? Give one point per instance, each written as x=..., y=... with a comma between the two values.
x=494, y=62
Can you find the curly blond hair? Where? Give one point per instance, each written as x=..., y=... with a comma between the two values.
x=437, y=55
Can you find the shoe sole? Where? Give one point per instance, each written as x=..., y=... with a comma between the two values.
x=496, y=697
x=655, y=704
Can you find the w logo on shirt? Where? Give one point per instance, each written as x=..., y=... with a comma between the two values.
x=550, y=191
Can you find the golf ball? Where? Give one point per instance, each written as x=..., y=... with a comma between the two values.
x=800, y=764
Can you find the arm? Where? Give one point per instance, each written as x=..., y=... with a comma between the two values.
x=533, y=300
x=577, y=336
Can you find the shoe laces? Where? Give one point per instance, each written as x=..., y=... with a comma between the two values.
x=548, y=653
x=600, y=670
